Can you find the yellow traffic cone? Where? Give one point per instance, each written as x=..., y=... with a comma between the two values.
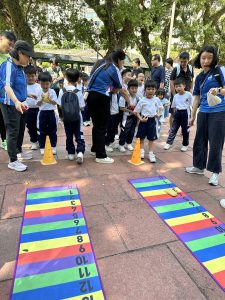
x=136, y=155
x=48, y=158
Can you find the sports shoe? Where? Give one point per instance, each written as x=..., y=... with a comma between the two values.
x=34, y=146
x=184, y=148
x=116, y=137
x=109, y=149
x=167, y=147
x=107, y=160
x=122, y=148
x=42, y=151
x=214, y=179
x=17, y=166
x=152, y=157
x=80, y=158
x=71, y=156
x=222, y=203
x=4, y=145
x=54, y=150
x=129, y=147
x=25, y=155
x=142, y=153
x=193, y=170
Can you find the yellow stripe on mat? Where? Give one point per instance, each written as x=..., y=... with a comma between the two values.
x=187, y=219
x=215, y=265
x=52, y=243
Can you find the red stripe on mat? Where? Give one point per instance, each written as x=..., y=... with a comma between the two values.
x=28, y=258
x=51, y=212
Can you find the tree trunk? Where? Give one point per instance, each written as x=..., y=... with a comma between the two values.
x=20, y=26
x=144, y=46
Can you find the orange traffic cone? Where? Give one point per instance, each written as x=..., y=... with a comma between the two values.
x=136, y=155
x=48, y=158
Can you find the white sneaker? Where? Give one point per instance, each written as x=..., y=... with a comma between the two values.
x=193, y=170
x=122, y=148
x=214, y=179
x=130, y=147
x=34, y=146
x=222, y=203
x=93, y=153
x=42, y=151
x=71, y=156
x=109, y=149
x=152, y=157
x=167, y=147
x=17, y=166
x=142, y=153
x=116, y=137
x=80, y=158
x=184, y=148
x=25, y=155
x=107, y=160
x=54, y=150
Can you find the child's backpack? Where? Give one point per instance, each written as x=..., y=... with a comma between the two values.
x=178, y=69
x=70, y=106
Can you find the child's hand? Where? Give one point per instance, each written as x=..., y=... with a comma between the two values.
x=144, y=119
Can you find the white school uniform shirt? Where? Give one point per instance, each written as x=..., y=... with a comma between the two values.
x=49, y=106
x=122, y=104
x=36, y=90
x=140, y=91
x=114, y=109
x=72, y=88
x=181, y=102
x=149, y=107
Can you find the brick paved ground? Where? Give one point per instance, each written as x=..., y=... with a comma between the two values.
x=138, y=256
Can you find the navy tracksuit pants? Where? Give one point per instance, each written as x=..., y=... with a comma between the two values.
x=74, y=129
x=180, y=120
x=47, y=126
x=31, y=121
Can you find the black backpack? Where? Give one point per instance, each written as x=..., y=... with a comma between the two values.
x=70, y=106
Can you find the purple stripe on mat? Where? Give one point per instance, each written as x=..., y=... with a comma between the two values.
x=54, y=265
x=202, y=233
x=170, y=201
x=48, y=219
x=50, y=189
x=148, y=179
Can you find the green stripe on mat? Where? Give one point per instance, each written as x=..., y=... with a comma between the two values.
x=52, y=278
x=207, y=242
x=51, y=194
x=51, y=226
x=177, y=206
x=151, y=183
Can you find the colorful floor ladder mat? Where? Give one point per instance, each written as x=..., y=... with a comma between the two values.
x=201, y=232
x=55, y=257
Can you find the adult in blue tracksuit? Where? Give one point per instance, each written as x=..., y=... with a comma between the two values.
x=13, y=92
x=105, y=77
x=7, y=40
x=211, y=119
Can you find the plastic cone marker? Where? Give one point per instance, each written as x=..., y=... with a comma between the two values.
x=48, y=158
x=136, y=155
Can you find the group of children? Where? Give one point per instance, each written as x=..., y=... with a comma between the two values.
x=149, y=107
x=144, y=117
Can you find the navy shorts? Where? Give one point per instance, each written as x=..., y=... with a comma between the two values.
x=148, y=130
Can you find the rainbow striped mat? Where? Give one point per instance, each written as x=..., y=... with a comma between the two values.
x=200, y=231
x=55, y=258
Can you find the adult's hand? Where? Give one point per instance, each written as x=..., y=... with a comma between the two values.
x=192, y=121
x=19, y=106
